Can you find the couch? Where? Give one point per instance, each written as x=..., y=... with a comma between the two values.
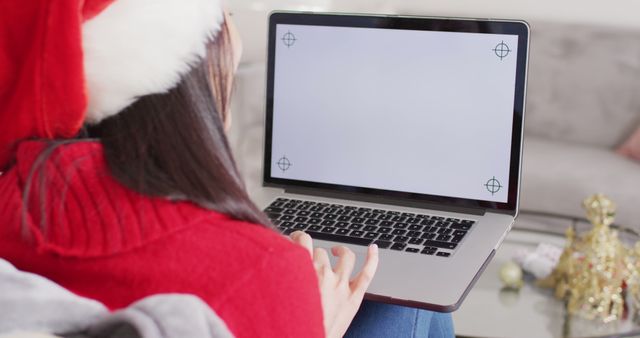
x=583, y=100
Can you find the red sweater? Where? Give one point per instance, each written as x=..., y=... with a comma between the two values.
x=106, y=242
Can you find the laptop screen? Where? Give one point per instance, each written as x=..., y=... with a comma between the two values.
x=425, y=112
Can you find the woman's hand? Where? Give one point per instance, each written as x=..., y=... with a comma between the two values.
x=341, y=296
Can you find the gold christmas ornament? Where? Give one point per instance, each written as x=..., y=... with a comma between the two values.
x=597, y=275
x=511, y=275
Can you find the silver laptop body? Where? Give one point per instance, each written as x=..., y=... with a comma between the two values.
x=413, y=115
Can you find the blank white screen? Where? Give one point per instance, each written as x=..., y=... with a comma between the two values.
x=413, y=111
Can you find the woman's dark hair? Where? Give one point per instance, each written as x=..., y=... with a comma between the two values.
x=174, y=145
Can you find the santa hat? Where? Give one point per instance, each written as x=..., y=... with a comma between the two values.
x=69, y=62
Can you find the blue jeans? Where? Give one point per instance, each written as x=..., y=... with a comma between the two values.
x=384, y=320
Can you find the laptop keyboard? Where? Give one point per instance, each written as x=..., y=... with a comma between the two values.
x=394, y=230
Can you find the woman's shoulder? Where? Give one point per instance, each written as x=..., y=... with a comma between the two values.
x=245, y=242
x=255, y=236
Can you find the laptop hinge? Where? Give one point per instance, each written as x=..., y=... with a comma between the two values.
x=384, y=200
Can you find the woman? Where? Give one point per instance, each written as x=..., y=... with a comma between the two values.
x=129, y=188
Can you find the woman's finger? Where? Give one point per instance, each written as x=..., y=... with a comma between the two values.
x=360, y=284
x=321, y=258
x=303, y=239
x=346, y=261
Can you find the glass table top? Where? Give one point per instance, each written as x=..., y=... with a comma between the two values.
x=491, y=311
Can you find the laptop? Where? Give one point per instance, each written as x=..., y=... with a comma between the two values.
x=402, y=131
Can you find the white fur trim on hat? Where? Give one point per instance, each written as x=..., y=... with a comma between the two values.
x=140, y=47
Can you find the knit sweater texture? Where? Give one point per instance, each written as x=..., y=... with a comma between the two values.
x=101, y=240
